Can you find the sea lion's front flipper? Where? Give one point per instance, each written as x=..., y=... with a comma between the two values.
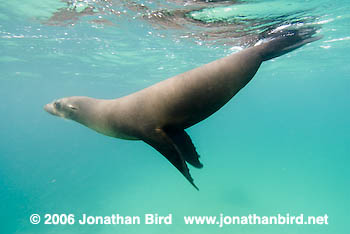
x=165, y=145
x=184, y=143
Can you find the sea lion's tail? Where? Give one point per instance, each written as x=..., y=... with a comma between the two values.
x=283, y=40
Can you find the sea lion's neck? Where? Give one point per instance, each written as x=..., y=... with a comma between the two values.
x=92, y=114
x=103, y=116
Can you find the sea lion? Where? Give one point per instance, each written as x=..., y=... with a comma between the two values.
x=159, y=114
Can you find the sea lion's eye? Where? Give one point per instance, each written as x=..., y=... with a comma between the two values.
x=57, y=105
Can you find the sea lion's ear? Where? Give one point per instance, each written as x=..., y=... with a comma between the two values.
x=72, y=107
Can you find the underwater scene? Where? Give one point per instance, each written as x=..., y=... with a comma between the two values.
x=273, y=159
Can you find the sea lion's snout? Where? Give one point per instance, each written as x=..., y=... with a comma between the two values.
x=50, y=108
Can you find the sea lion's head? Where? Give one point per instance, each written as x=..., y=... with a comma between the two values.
x=68, y=108
x=91, y=112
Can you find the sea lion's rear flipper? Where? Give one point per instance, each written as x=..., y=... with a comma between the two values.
x=169, y=148
x=281, y=41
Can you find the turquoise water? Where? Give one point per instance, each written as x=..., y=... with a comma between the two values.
x=280, y=146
